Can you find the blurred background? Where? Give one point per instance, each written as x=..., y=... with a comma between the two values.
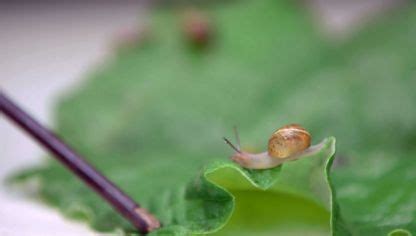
x=48, y=48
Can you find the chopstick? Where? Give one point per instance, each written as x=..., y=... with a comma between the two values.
x=127, y=207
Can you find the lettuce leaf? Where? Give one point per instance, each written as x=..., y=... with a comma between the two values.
x=152, y=117
x=293, y=198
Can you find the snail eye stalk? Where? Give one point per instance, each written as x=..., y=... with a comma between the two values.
x=231, y=145
x=237, y=138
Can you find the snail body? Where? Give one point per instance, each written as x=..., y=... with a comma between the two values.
x=286, y=143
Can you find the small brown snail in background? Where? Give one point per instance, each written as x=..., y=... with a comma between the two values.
x=287, y=143
x=197, y=27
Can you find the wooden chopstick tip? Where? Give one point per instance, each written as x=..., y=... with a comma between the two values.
x=151, y=221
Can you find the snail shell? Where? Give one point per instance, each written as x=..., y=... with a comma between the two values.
x=288, y=140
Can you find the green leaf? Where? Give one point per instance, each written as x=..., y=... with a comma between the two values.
x=154, y=116
x=389, y=202
x=375, y=189
x=150, y=124
x=294, y=198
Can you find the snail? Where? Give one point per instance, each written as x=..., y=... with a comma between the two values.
x=289, y=142
x=197, y=27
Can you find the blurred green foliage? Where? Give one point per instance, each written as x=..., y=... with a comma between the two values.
x=153, y=116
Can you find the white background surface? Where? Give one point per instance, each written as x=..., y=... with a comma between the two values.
x=45, y=49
